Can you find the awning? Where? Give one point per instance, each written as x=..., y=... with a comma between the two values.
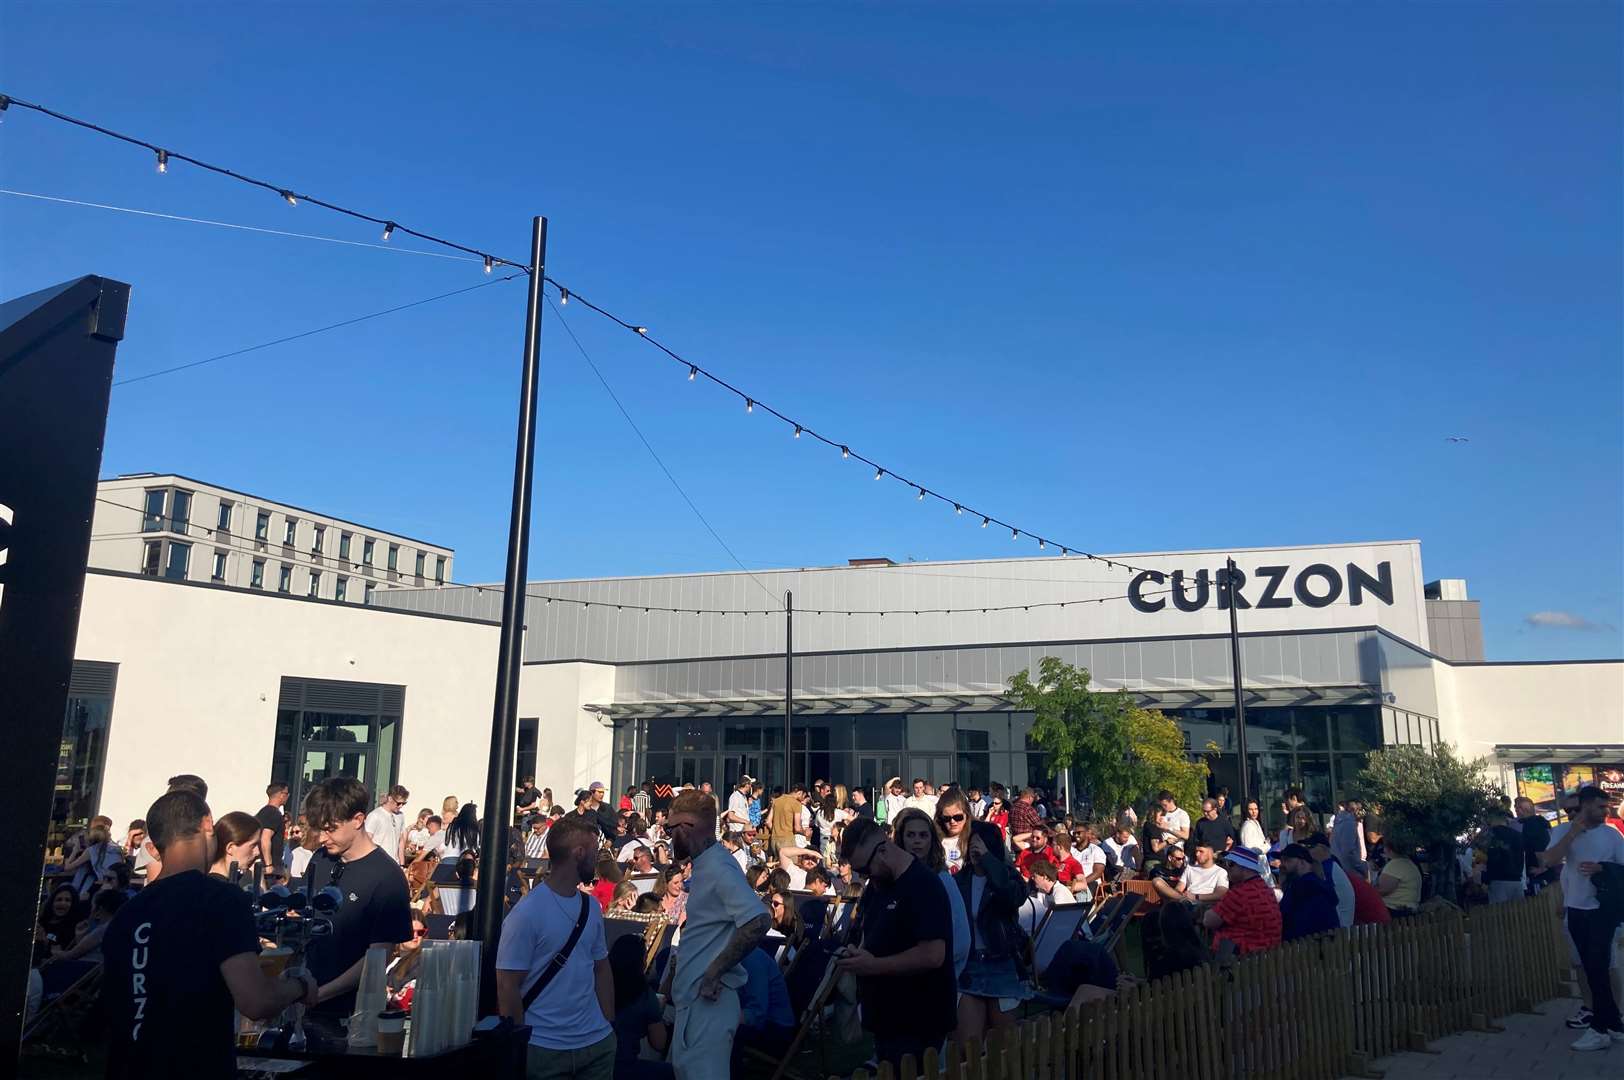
x=1561, y=754
x=866, y=704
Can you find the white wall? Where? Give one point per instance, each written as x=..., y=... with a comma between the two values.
x=573, y=747
x=1557, y=704
x=200, y=670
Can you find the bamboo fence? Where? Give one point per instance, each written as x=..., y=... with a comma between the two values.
x=1316, y=1009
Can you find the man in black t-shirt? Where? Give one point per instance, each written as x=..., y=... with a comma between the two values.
x=376, y=908
x=904, y=966
x=272, y=826
x=1212, y=828
x=1536, y=837
x=180, y=956
x=1503, y=859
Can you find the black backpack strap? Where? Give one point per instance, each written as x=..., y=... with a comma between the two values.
x=561, y=957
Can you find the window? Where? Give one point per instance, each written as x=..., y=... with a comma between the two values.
x=394, y=556
x=179, y=556
x=419, y=566
x=83, y=755
x=152, y=519
x=180, y=511
x=222, y=520
x=315, y=583
x=343, y=545
x=218, y=572
x=152, y=558
x=371, y=586
x=341, y=588
x=367, y=544
x=290, y=531
x=284, y=579
x=262, y=525
x=321, y=535
x=439, y=569
x=256, y=576
x=327, y=728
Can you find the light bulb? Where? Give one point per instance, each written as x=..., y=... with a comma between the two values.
x=692, y=371
x=644, y=330
x=983, y=523
x=490, y=264
x=1040, y=543
x=563, y=297
x=921, y=494
x=291, y=201
x=749, y=406
x=797, y=431
x=844, y=452
x=163, y=161
x=388, y=230
x=957, y=509
x=879, y=474
x=1014, y=534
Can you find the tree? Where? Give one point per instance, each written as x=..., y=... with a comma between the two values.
x=1119, y=752
x=1429, y=800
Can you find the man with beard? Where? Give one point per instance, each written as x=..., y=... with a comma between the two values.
x=724, y=921
x=552, y=966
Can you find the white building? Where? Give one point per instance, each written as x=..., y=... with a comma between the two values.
x=241, y=685
x=169, y=526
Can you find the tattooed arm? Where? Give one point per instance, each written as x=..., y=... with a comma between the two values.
x=744, y=939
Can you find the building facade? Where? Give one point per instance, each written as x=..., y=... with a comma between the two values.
x=174, y=527
x=243, y=685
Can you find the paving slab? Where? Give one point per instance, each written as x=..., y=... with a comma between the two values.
x=1532, y=1045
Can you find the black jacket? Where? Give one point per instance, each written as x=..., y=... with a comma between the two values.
x=994, y=929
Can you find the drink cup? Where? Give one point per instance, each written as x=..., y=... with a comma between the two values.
x=275, y=961
x=391, y=1032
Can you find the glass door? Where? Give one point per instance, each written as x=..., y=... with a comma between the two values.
x=322, y=761
x=875, y=769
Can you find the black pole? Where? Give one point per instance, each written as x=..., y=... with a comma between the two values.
x=493, y=838
x=1240, y=697
x=789, y=688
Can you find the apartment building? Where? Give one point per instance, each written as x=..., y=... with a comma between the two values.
x=170, y=526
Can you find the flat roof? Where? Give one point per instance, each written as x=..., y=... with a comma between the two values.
x=277, y=502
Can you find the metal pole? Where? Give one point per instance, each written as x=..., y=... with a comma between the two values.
x=493, y=839
x=789, y=688
x=1240, y=697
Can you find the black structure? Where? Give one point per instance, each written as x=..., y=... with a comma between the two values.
x=1232, y=587
x=493, y=837
x=56, y=371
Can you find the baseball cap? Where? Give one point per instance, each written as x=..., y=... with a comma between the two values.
x=1245, y=858
x=1295, y=851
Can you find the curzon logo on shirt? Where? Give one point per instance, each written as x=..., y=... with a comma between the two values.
x=1317, y=585
x=138, y=977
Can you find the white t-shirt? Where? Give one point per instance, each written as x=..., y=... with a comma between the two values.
x=1200, y=880
x=927, y=803
x=955, y=857
x=797, y=877
x=1177, y=818
x=385, y=829
x=738, y=803
x=1127, y=855
x=719, y=902
x=434, y=842
x=565, y=1016
x=1058, y=895
x=1601, y=844
x=1090, y=857
x=299, y=861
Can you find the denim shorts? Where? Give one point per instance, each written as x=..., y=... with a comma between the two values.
x=994, y=978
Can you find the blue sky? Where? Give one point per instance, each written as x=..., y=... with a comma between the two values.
x=1144, y=277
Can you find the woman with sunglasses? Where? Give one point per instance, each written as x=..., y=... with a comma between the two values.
x=953, y=819
x=998, y=814
x=401, y=980
x=917, y=835
x=993, y=894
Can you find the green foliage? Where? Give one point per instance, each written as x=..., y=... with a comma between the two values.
x=1118, y=752
x=1428, y=798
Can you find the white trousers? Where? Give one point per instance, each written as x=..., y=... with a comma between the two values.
x=702, y=1037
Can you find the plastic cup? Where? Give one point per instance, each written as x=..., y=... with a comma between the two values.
x=391, y=1032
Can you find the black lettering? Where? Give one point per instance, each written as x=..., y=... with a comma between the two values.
x=1276, y=575
x=1241, y=603
x=1333, y=582
x=1380, y=586
x=1137, y=599
x=1184, y=603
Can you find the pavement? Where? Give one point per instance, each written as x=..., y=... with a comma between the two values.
x=1530, y=1046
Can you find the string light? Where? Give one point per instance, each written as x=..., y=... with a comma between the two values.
x=921, y=494
x=693, y=371
x=879, y=474
x=845, y=452
x=984, y=522
x=957, y=509
x=163, y=161
x=797, y=431
x=749, y=406
x=288, y=197
x=490, y=264
x=641, y=330
x=388, y=230
x=563, y=298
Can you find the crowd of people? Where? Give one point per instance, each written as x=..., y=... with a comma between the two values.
x=915, y=904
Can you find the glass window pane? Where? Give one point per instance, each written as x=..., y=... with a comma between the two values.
x=388, y=749
x=152, y=518
x=878, y=732
x=181, y=511
x=741, y=736
x=179, y=556
x=930, y=731
x=222, y=520
x=1311, y=728
x=661, y=765
x=337, y=727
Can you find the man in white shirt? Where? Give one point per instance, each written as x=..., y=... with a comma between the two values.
x=535, y=841
x=386, y=825
x=570, y=1019
x=738, y=806
x=1046, y=878
x=922, y=799
x=1580, y=847
x=1092, y=858
x=1175, y=821
x=797, y=862
x=1204, y=880
x=978, y=803
x=894, y=802
x=725, y=920
x=1124, y=848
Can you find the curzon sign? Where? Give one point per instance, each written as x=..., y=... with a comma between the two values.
x=1316, y=585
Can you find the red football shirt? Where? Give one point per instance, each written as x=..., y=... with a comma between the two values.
x=1251, y=917
x=1368, y=905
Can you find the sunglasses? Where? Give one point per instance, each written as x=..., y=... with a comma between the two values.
x=418, y=931
x=952, y=817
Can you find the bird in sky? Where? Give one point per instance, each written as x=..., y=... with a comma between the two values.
x=1456, y=438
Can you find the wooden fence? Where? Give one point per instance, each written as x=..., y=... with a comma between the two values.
x=1317, y=1009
